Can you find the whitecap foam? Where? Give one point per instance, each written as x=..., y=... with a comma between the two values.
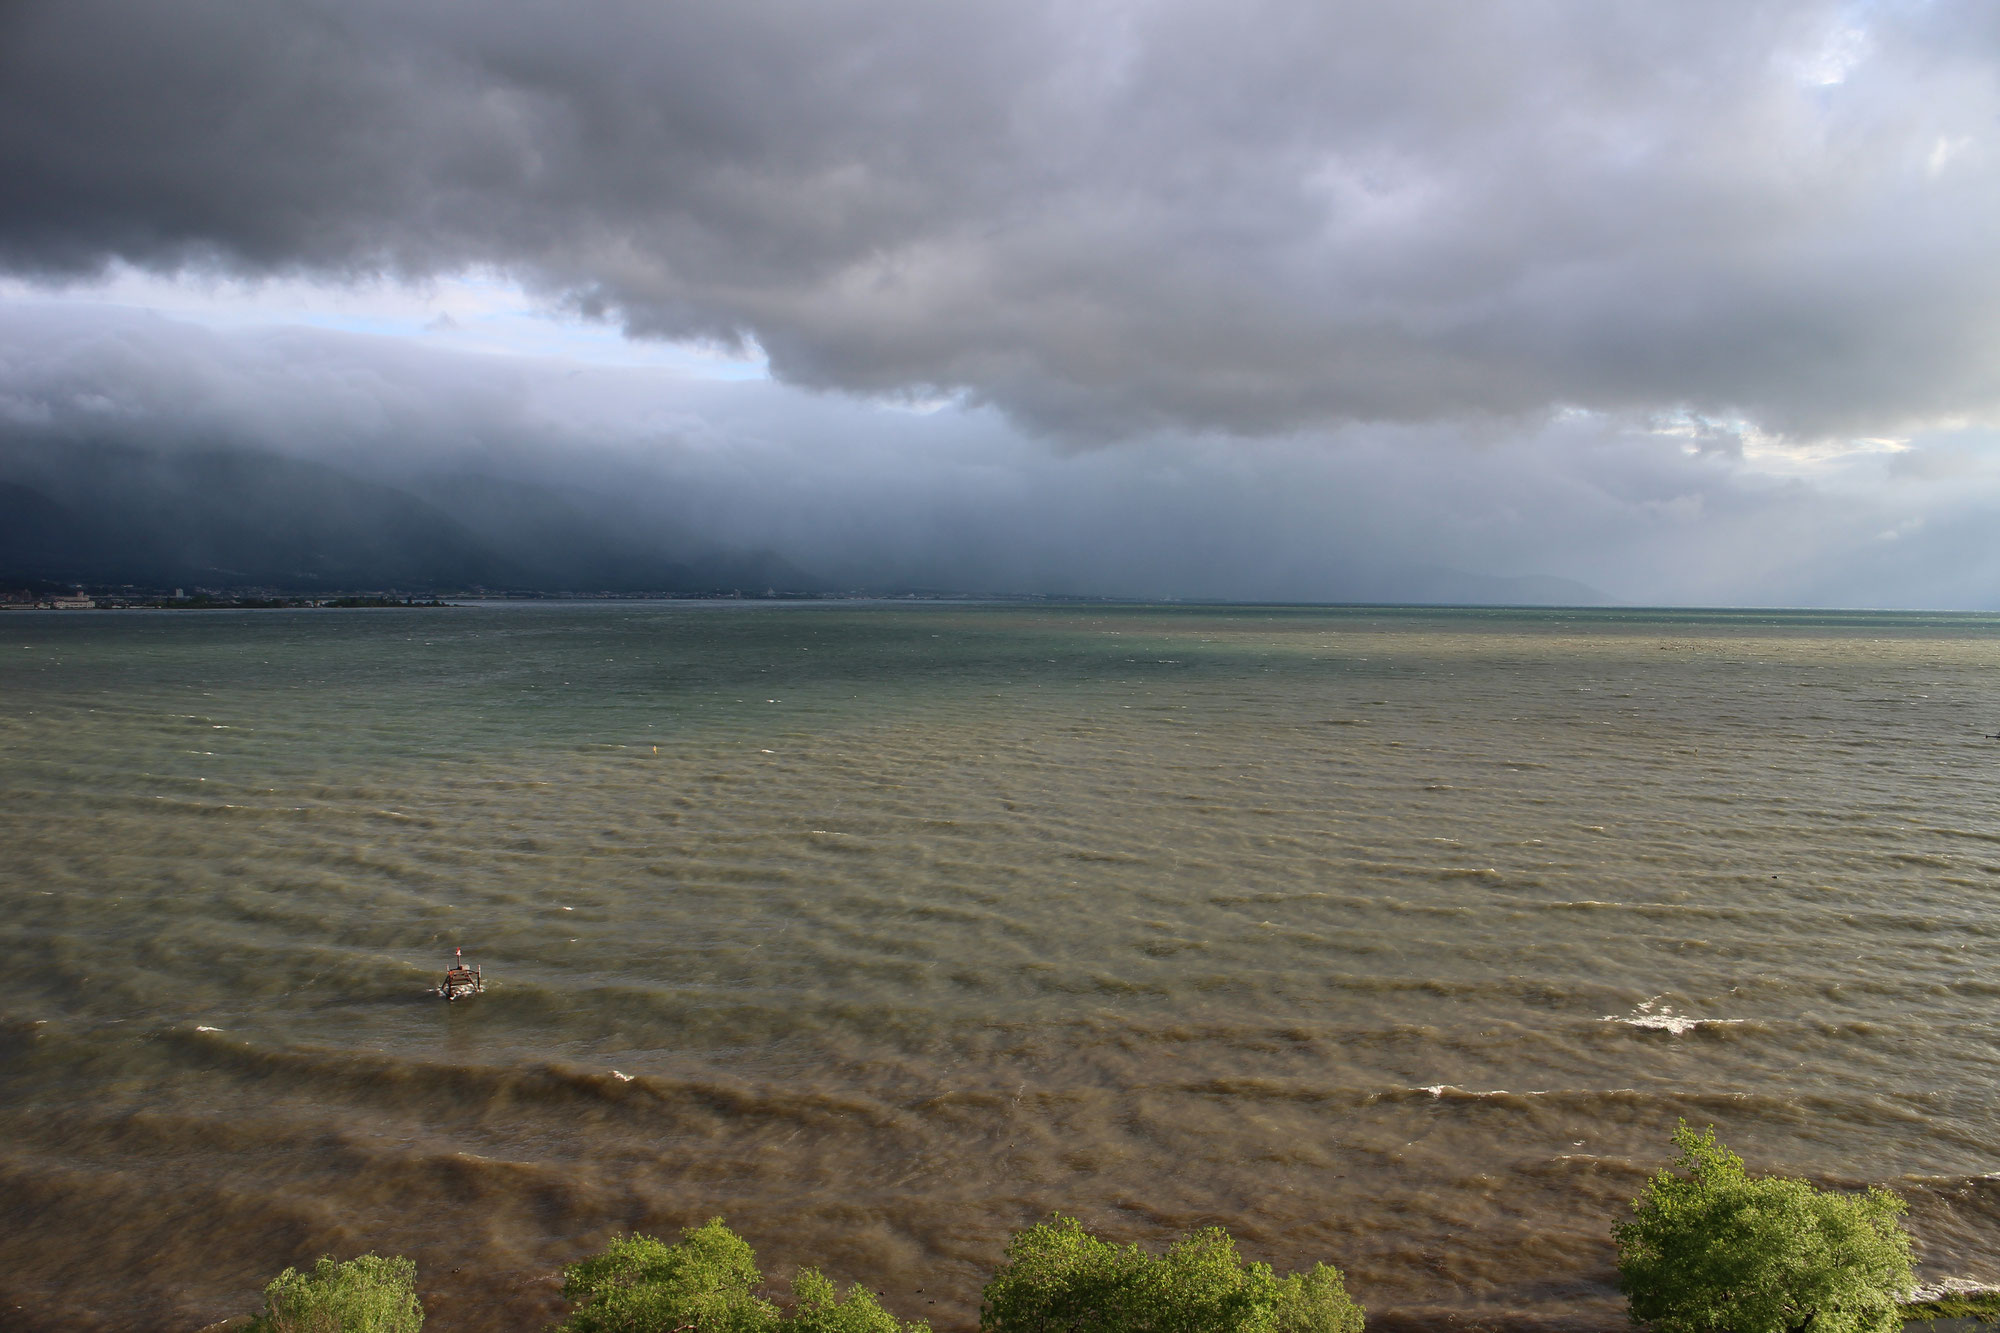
x=1664, y=1019
x=1952, y=1286
x=1678, y=1024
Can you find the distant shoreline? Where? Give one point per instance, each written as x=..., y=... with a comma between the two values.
x=88, y=603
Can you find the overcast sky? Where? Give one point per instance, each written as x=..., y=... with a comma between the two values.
x=1690, y=302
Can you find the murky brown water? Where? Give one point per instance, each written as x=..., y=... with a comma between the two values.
x=1397, y=939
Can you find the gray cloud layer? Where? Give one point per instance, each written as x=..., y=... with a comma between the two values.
x=1105, y=220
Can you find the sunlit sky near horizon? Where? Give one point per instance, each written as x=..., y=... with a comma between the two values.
x=478, y=312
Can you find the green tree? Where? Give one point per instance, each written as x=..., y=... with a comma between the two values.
x=1059, y=1278
x=369, y=1294
x=1717, y=1250
x=706, y=1283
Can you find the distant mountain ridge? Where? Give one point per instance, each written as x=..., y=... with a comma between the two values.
x=232, y=518
x=102, y=514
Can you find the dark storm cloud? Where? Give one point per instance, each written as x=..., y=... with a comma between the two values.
x=540, y=458
x=1105, y=219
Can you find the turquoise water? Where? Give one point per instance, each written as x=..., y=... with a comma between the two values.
x=1394, y=938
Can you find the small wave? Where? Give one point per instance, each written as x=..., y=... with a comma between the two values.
x=1443, y=1090
x=388, y=1080
x=1664, y=1019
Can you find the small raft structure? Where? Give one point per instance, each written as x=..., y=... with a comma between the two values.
x=460, y=981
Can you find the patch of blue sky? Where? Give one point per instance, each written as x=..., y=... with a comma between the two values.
x=475, y=311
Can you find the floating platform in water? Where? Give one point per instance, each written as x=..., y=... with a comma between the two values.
x=460, y=981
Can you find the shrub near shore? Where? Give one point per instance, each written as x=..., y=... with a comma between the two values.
x=1716, y=1250
x=1058, y=1278
x=369, y=1294
x=707, y=1283
x=1712, y=1250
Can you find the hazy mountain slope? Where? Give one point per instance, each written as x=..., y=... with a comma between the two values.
x=117, y=514
x=36, y=534
x=114, y=514
x=573, y=538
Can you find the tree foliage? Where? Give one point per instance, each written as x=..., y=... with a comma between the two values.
x=817, y=1309
x=1716, y=1250
x=369, y=1294
x=1059, y=1278
x=707, y=1283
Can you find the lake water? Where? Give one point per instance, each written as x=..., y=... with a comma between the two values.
x=1398, y=939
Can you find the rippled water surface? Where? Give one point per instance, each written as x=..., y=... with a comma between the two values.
x=1393, y=938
